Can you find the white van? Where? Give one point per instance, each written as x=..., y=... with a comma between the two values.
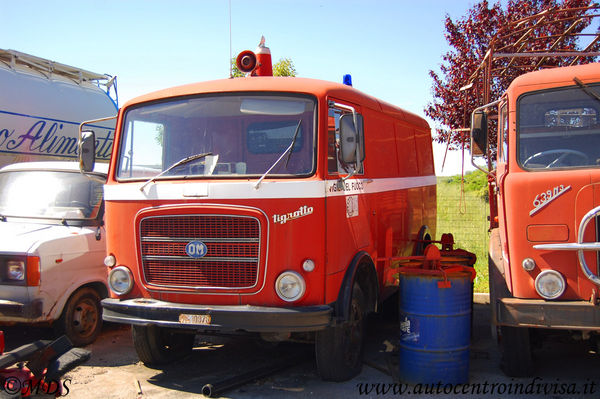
x=52, y=247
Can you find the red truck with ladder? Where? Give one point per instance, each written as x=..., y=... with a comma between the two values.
x=266, y=205
x=544, y=267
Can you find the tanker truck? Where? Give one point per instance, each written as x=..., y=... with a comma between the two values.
x=52, y=239
x=42, y=103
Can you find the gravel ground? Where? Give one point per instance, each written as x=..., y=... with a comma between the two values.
x=115, y=372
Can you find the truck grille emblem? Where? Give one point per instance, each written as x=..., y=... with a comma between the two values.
x=196, y=249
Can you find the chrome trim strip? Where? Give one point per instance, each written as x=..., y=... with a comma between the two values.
x=584, y=222
x=203, y=259
x=579, y=246
x=188, y=239
x=570, y=246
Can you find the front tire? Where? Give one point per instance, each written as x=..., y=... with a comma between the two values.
x=515, y=349
x=339, y=349
x=81, y=320
x=155, y=345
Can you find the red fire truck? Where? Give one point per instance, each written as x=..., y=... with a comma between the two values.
x=266, y=205
x=543, y=257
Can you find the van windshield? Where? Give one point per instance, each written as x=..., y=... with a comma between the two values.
x=49, y=195
x=559, y=128
x=237, y=136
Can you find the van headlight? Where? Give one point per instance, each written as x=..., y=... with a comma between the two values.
x=15, y=270
x=290, y=286
x=550, y=284
x=120, y=280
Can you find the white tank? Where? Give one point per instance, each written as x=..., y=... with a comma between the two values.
x=42, y=104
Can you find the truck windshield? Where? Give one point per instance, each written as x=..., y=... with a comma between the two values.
x=238, y=135
x=49, y=195
x=559, y=128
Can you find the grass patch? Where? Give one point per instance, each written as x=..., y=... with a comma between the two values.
x=466, y=218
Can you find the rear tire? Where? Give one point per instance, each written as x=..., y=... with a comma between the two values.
x=339, y=349
x=155, y=345
x=423, y=239
x=515, y=349
x=81, y=320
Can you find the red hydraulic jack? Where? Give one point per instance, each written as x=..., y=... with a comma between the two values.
x=38, y=367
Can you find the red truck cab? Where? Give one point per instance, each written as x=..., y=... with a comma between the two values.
x=266, y=205
x=544, y=267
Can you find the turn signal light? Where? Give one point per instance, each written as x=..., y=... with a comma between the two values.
x=33, y=271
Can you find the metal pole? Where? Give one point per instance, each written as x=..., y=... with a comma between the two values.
x=226, y=384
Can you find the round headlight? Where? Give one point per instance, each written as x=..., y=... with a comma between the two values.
x=290, y=286
x=110, y=261
x=550, y=284
x=120, y=280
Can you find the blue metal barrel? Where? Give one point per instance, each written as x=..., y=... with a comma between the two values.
x=435, y=327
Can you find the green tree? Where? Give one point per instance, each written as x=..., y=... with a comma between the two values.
x=235, y=72
x=512, y=26
x=284, y=67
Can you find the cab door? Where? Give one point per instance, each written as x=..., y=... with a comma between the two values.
x=348, y=230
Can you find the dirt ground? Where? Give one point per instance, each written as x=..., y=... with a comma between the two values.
x=115, y=372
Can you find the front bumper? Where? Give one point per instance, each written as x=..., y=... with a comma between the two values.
x=570, y=315
x=248, y=318
x=12, y=311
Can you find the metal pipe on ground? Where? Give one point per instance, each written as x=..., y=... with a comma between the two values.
x=226, y=384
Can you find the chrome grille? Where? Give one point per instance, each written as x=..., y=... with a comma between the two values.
x=233, y=251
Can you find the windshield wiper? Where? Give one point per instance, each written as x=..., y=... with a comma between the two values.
x=289, y=149
x=176, y=164
x=586, y=89
x=293, y=143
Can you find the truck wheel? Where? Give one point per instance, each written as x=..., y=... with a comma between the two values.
x=339, y=349
x=423, y=237
x=155, y=345
x=515, y=350
x=81, y=319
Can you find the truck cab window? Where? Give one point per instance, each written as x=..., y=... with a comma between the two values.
x=558, y=129
x=142, y=149
x=240, y=135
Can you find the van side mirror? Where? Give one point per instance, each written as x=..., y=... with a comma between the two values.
x=479, y=133
x=352, y=149
x=87, y=151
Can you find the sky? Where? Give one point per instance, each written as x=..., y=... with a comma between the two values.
x=388, y=46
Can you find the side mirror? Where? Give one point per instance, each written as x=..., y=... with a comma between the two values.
x=87, y=151
x=479, y=133
x=352, y=149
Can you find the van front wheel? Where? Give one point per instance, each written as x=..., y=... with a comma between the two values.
x=339, y=349
x=81, y=320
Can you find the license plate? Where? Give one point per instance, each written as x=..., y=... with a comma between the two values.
x=202, y=319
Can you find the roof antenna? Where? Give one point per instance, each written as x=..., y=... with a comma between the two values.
x=230, y=56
